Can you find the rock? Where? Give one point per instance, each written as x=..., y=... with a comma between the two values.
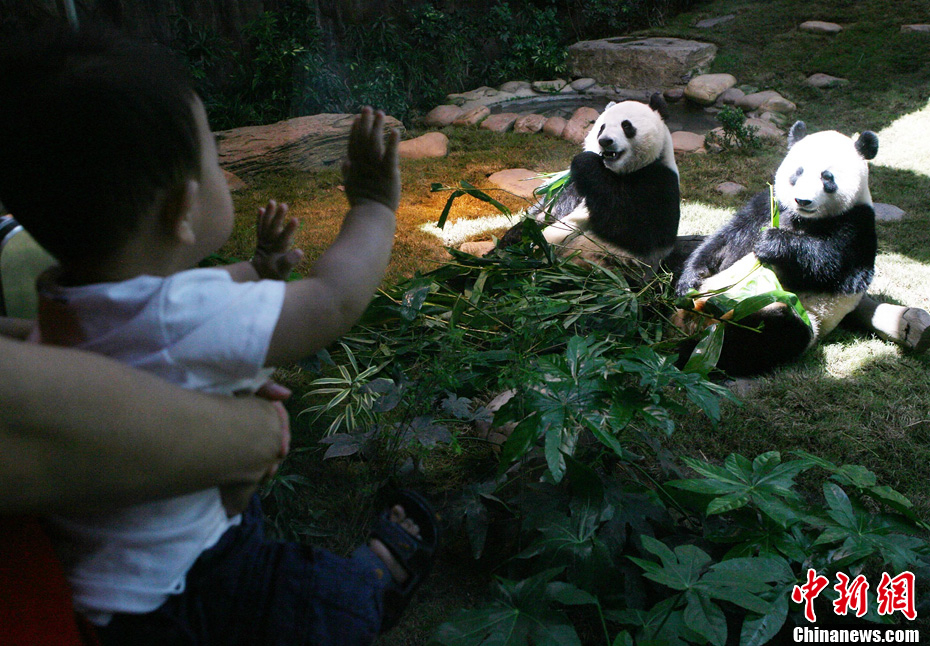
x=820, y=27
x=234, y=182
x=773, y=117
x=442, y=116
x=639, y=63
x=766, y=130
x=915, y=29
x=568, y=89
x=687, y=142
x=674, y=94
x=479, y=248
x=778, y=104
x=303, y=143
x=519, y=181
x=730, y=96
x=600, y=90
x=574, y=133
x=825, y=81
x=430, y=145
x=887, y=212
x=730, y=188
x=751, y=102
x=549, y=87
x=707, y=23
x=502, y=122
x=581, y=85
x=473, y=117
x=483, y=95
x=580, y=124
x=518, y=88
x=585, y=117
x=529, y=123
x=554, y=126
x=705, y=89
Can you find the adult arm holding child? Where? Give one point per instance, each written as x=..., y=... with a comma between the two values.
x=82, y=432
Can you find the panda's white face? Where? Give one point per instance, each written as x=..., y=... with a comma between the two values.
x=823, y=175
x=630, y=135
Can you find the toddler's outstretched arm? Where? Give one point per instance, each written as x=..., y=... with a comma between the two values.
x=320, y=308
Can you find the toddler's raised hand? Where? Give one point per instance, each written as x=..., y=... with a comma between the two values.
x=274, y=257
x=371, y=171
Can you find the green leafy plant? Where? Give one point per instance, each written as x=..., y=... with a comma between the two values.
x=602, y=535
x=735, y=134
x=354, y=393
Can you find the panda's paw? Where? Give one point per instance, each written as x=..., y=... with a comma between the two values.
x=770, y=245
x=689, y=280
x=586, y=163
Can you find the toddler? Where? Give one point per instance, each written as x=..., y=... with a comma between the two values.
x=109, y=162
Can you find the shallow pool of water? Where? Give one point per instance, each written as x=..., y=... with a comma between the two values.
x=682, y=115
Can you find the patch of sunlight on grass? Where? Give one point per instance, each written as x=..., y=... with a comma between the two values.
x=698, y=218
x=903, y=145
x=454, y=233
x=902, y=279
x=849, y=359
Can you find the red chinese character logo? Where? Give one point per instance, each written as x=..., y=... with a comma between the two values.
x=897, y=594
x=852, y=597
x=808, y=592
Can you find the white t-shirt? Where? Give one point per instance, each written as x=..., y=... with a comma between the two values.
x=200, y=330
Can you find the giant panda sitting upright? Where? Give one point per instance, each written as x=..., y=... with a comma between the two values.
x=622, y=200
x=823, y=251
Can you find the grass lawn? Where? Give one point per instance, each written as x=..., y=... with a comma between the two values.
x=853, y=399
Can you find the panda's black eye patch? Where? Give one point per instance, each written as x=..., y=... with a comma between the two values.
x=795, y=175
x=829, y=182
x=603, y=125
x=628, y=129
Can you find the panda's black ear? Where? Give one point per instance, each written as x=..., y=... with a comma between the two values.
x=657, y=103
x=797, y=133
x=867, y=144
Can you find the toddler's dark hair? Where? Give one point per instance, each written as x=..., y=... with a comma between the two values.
x=92, y=128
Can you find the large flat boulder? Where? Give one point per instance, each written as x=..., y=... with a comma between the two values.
x=705, y=89
x=640, y=63
x=303, y=143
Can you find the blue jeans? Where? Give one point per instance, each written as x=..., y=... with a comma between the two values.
x=250, y=591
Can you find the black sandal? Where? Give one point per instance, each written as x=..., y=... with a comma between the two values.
x=414, y=554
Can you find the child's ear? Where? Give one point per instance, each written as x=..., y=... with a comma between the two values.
x=178, y=212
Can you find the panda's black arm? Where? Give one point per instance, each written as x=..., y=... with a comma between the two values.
x=703, y=263
x=725, y=246
x=838, y=260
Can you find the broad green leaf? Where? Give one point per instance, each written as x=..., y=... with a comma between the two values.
x=520, y=440
x=713, y=472
x=553, y=452
x=840, y=508
x=766, y=462
x=570, y=595
x=739, y=466
x=705, y=617
x=760, y=629
x=737, y=596
x=727, y=503
x=703, y=486
x=706, y=353
x=623, y=639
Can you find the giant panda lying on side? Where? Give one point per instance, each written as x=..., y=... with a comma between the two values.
x=823, y=251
